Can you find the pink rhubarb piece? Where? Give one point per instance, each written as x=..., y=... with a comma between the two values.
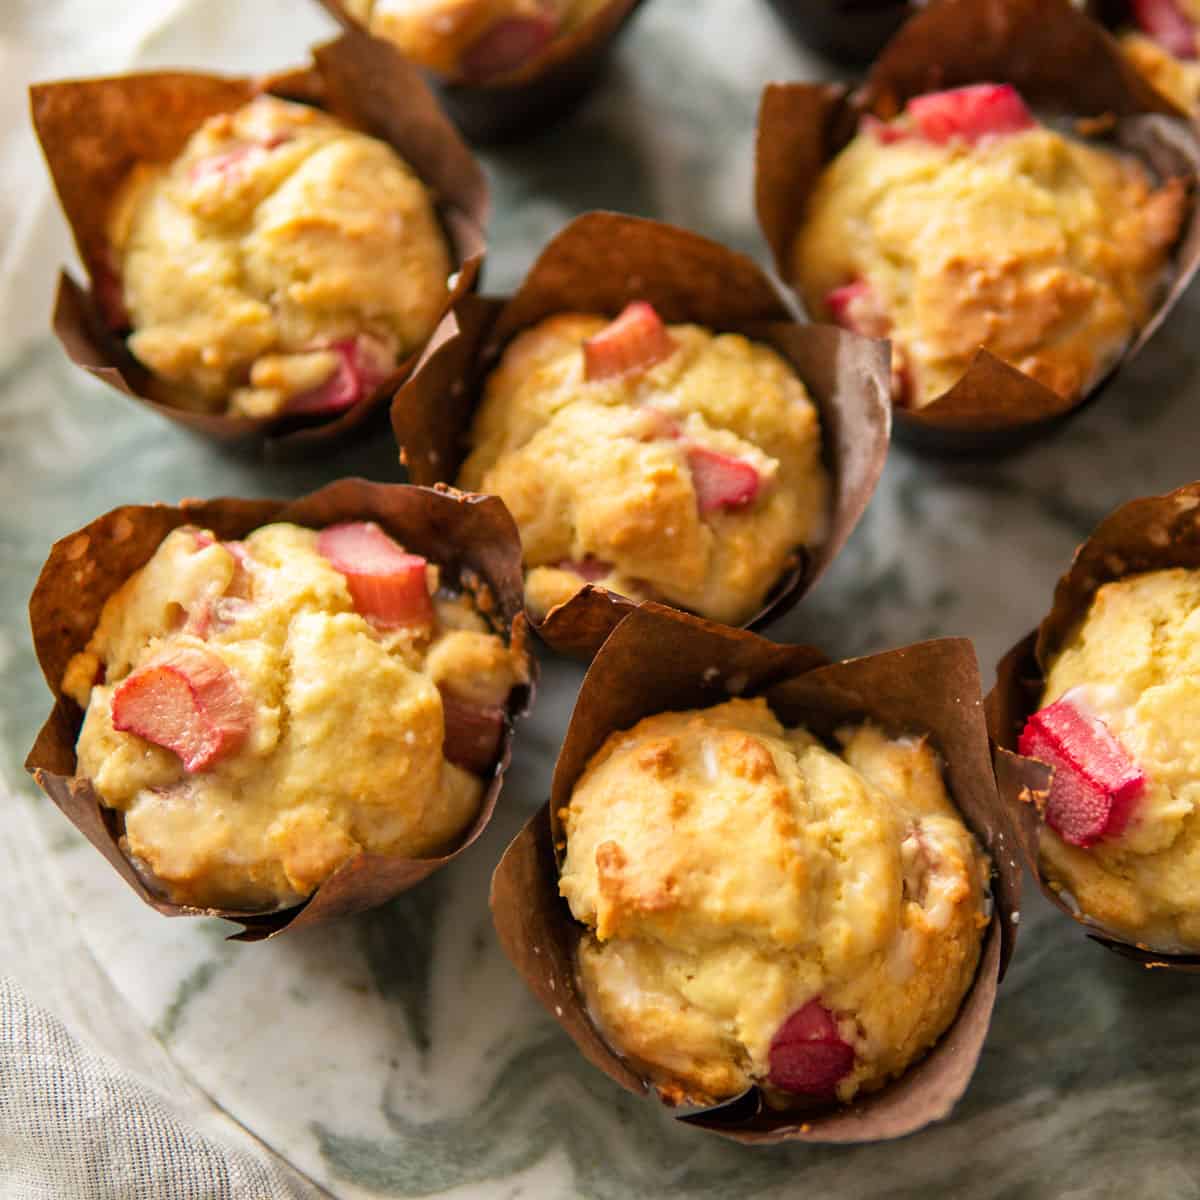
x=722, y=481
x=387, y=584
x=970, y=113
x=807, y=1055
x=637, y=339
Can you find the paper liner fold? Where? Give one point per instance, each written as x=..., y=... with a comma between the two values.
x=541, y=92
x=1149, y=534
x=94, y=131
x=659, y=659
x=473, y=539
x=1061, y=62
x=598, y=263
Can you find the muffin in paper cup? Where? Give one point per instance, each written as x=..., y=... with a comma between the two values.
x=474, y=546
x=605, y=264
x=851, y=31
x=551, y=73
x=659, y=662
x=1152, y=534
x=100, y=135
x=1161, y=40
x=1040, y=50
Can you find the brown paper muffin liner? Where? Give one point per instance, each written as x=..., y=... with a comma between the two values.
x=1061, y=62
x=94, y=131
x=599, y=263
x=1149, y=534
x=659, y=659
x=541, y=92
x=472, y=537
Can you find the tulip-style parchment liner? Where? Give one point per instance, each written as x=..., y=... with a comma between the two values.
x=472, y=537
x=95, y=131
x=1062, y=63
x=1150, y=534
x=537, y=94
x=599, y=263
x=659, y=659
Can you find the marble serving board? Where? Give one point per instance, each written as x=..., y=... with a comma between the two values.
x=397, y=1054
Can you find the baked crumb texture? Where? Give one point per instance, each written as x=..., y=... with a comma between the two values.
x=1048, y=252
x=338, y=723
x=1134, y=662
x=281, y=265
x=608, y=479
x=737, y=877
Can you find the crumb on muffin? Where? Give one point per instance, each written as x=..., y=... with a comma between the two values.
x=762, y=909
x=262, y=711
x=660, y=462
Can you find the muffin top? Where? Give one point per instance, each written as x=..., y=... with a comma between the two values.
x=763, y=909
x=1122, y=704
x=472, y=41
x=1164, y=44
x=282, y=265
x=668, y=463
x=963, y=224
x=262, y=711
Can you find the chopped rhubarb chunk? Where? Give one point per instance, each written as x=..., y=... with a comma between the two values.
x=1167, y=24
x=507, y=45
x=363, y=364
x=807, y=1055
x=883, y=131
x=855, y=306
x=387, y=585
x=1096, y=783
x=722, y=481
x=187, y=701
x=970, y=113
x=637, y=339
x=589, y=568
x=473, y=733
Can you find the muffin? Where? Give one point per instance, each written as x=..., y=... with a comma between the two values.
x=657, y=461
x=473, y=41
x=1115, y=721
x=1162, y=40
x=282, y=713
x=658, y=424
x=764, y=909
x=963, y=224
x=282, y=264
x=753, y=888
x=265, y=256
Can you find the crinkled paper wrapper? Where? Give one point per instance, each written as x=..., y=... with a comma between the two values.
x=1063, y=63
x=539, y=93
x=95, y=131
x=471, y=537
x=599, y=263
x=1150, y=534
x=659, y=659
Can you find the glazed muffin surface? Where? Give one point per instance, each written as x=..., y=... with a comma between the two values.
x=282, y=264
x=1134, y=662
x=692, y=480
x=472, y=40
x=737, y=877
x=329, y=727
x=1048, y=252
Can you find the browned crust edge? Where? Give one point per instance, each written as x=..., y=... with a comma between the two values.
x=461, y=531
x=661, y=659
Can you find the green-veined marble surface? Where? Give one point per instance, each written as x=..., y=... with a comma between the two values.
x=397, y=1054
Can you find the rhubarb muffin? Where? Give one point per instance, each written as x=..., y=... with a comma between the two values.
x=282, y=266
x=964, y=224
x=765, y=909
x=259, y=712
x=1118, y=724
x=1163, y=42
x=472, y=41
x=660, y=462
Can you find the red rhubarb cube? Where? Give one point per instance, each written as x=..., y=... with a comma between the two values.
x=722, y=481
x=637, y=339
x=363, y=364
x=808, y=1056
x=507, y=45
x=387, y=584
x=970, y=113
x=1167, y=24
x=1096, y=783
